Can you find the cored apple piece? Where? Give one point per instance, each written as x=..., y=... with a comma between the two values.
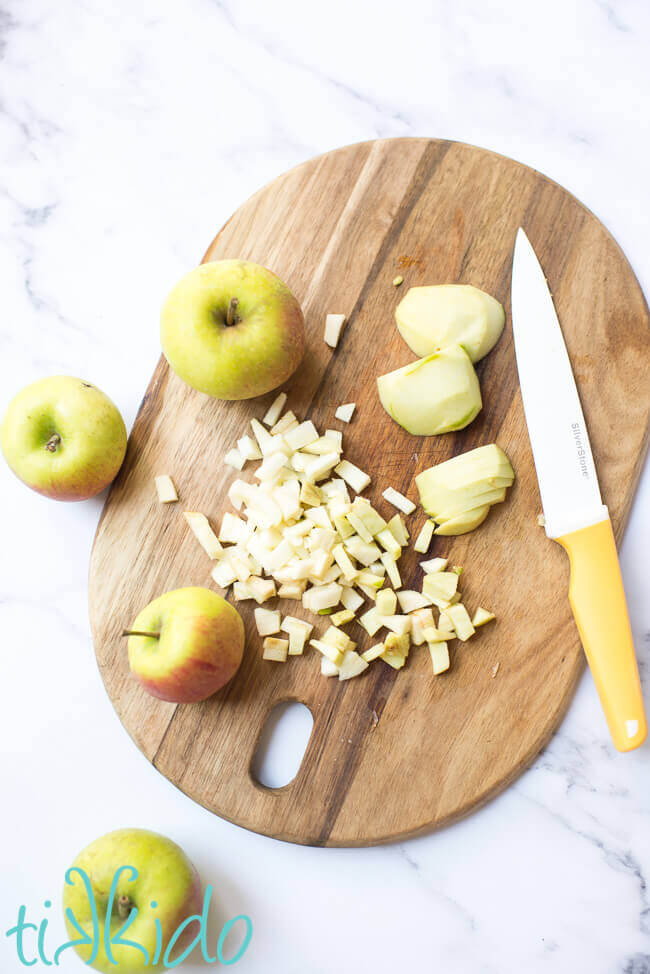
x=275, y=649
x=431, y=318
x=481, y=616
x=434, y=395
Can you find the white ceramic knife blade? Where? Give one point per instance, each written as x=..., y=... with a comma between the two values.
x=563, y=460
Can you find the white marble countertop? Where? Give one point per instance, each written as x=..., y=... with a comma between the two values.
x=128, y=133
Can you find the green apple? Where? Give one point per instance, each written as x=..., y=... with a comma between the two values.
x=436, y=394
x=166, y=889
x=431, y=318
x=232, y=329
x=186, y=644
x=64, y=438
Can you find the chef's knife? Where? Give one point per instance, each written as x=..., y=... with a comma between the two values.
x=574, y=513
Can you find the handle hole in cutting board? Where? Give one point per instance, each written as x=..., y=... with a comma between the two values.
x=282, y=744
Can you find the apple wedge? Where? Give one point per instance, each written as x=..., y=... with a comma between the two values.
x=431, y=318
x=434, y=395
x=464, y=523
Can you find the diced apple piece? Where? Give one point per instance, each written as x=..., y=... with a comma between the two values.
x=421, y=619
x=370, y=579
x=396, y=649
x=398, y=500
x=241, y=592
x=200, y=527
x=322, y=446
x=334, y=324
x=233, y=458
x=262, y=435
x=262, y=589
x=434, y=565
x=434, y=317
x=285, y=423
x=310, y=495
x=275, y=409
x=248, y=448
x=336, y=637
x=345, y=412
x=292, y=590
x=336, y=436
x=343, y=561
x=439, y=653
x=352, y=665
x=399, y=624
x=223, y=573
x=353, y=476
x=275, y=649
x=398, y=530
x=386, y=602
x=392, y=570
x=302, y=435
x=238, y=492
x=373, y=653
x=481, y=616
x=433, y=635
x=328, y=668
x=351, y=599
x=364, y=510
x=269, y=469
x=267, y=621
x=461, y=621
x=371, y=621
x=233, y=529
x=322, y=597
x=440, y=586
x=343, y=526
x=387, y=541
x=359, y=526
x=423, y=539
x=342, y=618
x=328, y=651
x=410, y=601
x=363, y=551
x=320, y=466
x=165, y=489
x=434, y=395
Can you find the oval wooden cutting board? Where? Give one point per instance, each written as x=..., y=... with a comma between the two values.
x=391, y=754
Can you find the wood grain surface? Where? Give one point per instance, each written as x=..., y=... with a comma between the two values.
x=338, y=229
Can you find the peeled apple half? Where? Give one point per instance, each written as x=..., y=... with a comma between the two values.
x=458, y=493
x=434, y=317
x=436, y=394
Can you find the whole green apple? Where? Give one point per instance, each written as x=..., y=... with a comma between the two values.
x=166, y=888
x=186, y=644
x=64, y=438
x=232, y=329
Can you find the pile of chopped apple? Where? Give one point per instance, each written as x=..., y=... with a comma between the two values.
x=299, y=534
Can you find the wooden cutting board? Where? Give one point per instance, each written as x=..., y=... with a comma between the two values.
x=391, y=754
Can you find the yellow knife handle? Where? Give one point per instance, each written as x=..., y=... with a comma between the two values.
x=598, y=602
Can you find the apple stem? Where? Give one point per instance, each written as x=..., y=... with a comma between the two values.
x=124, y=906
x=231, y=314
x=53, y=442
x=140, y=632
